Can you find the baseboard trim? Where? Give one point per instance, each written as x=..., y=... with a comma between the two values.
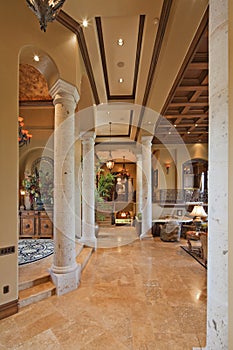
x=8, y=309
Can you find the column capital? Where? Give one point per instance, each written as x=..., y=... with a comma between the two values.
x=139, y=157
x=147, y=140
x=63, y=89
x=87, y=136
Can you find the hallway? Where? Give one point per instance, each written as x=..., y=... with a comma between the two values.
x=145, y=295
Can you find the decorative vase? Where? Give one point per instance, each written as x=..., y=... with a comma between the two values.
x=31, y=200
x=96, y=230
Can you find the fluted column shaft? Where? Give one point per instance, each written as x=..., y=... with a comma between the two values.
x=88, y=189
x=64, y=271
x=146, y=187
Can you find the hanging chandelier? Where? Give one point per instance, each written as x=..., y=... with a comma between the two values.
x=45, y=10
x=24, y=137
x=124, y=172
x=110, y=161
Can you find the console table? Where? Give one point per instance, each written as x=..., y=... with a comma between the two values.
x=35, y=224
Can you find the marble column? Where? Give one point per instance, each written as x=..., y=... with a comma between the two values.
x=65, y=272
x=146, y=142
x=139, y=183
x=88, y=189
x=218, y=215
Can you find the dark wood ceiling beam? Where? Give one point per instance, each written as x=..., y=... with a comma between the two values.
x=198, y=65
x=193, y=132
x=188, y=59
x=185, y=109
x=204, y=79
x=186, y=116
x=189, y=104
x=195, y=96
x=186, y=125
x=192, y=88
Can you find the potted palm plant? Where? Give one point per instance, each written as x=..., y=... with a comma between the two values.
x=103, y=193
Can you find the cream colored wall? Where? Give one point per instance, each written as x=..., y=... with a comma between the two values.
x=230, y=164
x=22, y=28
x=176, y=155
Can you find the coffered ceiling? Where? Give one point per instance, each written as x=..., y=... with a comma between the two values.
x=162, y=66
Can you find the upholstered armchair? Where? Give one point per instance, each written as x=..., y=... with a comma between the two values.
x=170, y=231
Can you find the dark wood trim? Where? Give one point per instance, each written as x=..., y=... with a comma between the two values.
x=9, y=309
x=104, y=62
x=191, y=52
x=36, y=103
x=138, y=53
x=155, y=55
x=112, y=136
x=130, y=122
x=102, y=53
x=120, y=97
x=157, y=47
x=132, y=143
x=76, y=28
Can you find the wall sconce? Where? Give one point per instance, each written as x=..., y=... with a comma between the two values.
x=167, y=166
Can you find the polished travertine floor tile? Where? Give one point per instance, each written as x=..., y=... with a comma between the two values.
x=147, y=295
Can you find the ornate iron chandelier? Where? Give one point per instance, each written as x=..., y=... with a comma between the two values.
x=45, y=10
x=24, y=137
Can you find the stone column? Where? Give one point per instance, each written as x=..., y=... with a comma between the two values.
x=88, y=189
x=78, y=192
x=65, y=272
x=146, y=187
x=139, y=184
x=218, y=215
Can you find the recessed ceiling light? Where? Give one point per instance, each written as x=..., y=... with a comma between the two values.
x=121, y=80
x=120, y=42
x=175, y=125
x=36, y=58
x=156, y=20
x=169, y=133
x=85, y=23
x=120, y=64
x=196, y=125
x=188, y=132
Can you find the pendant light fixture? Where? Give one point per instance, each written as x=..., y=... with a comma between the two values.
x=110, y=161
x=45, y=10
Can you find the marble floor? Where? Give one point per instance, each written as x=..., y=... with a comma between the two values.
x=142, y=295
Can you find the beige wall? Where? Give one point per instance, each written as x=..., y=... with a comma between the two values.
x=22, y=29
x=230, y=203
x=176, y=155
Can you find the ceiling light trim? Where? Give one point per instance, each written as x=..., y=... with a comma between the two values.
x=76, y=28
x=104, y=61
x=155, y=55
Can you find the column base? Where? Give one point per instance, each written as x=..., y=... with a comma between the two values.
x=88, y=242
x=147, y=234
x=66, y=282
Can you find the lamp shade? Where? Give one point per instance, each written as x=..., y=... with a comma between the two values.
x=198, y=211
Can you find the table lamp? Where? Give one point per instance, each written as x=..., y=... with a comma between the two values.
x=198, y=213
